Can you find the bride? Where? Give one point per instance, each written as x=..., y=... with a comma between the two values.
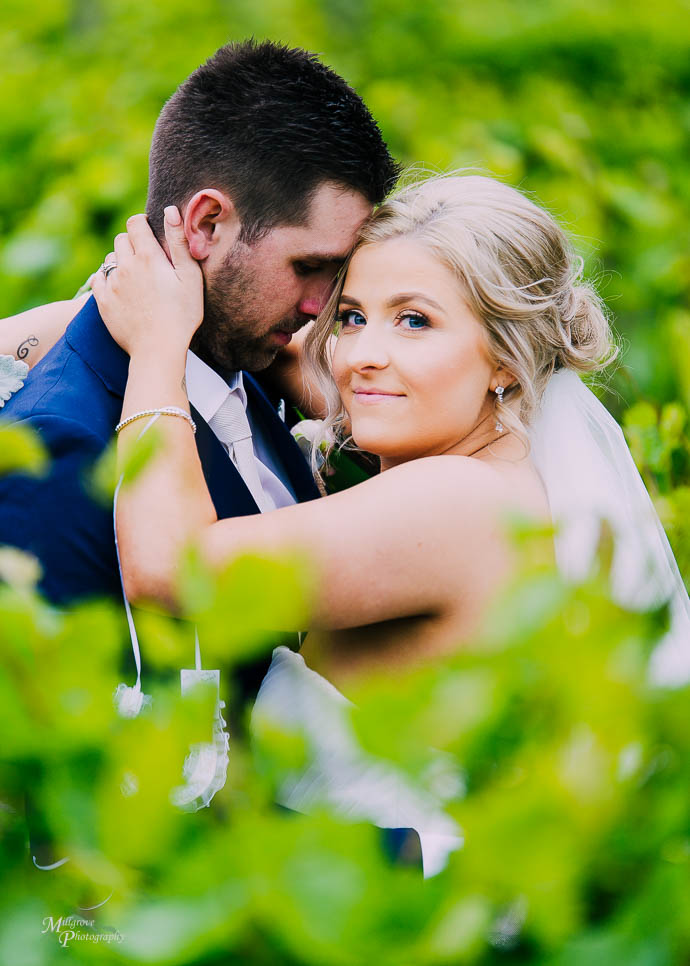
x=450, y=349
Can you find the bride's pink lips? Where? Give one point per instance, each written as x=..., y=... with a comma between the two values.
x=369, y=396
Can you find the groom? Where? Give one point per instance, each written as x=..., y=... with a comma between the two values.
x=274, y=163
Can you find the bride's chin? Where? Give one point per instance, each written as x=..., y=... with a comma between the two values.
x=383, y=448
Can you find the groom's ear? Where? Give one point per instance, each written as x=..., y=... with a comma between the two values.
x=210, y=223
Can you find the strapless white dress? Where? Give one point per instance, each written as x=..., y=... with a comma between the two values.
x=339, y=774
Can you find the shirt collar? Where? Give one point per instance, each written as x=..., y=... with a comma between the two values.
x=207, y=390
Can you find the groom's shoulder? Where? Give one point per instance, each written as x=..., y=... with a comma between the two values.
x=62, y=395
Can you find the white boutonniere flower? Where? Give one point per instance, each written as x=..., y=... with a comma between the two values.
x=13, y=372
x=309, y=432
x=20, y=570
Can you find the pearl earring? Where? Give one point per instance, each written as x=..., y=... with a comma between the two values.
x=499, y=399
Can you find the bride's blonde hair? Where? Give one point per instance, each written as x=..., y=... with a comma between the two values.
x=518, y=272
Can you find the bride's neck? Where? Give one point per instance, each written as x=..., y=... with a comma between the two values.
x=504, y=446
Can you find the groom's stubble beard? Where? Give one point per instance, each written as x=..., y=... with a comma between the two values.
x=233, y=335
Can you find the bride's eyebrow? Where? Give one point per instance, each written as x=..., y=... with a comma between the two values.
x=412, y=297
x=395, y=300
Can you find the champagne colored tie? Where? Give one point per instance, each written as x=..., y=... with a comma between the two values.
x=231, y=426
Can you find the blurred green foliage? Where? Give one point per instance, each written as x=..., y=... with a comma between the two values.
x=574, y=770
x=569, y=781
x=581, y=102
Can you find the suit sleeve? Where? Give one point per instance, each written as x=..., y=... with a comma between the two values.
x=58, y=518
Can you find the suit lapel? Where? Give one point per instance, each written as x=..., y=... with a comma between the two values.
x=229, y=492
x=282, y=441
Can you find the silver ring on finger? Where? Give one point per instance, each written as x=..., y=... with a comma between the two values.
x=108, y=268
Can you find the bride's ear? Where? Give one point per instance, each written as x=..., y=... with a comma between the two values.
x=501, y=377
x=210, y=222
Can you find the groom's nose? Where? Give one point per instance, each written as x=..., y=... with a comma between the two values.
x=316, y=292
x=311, y=306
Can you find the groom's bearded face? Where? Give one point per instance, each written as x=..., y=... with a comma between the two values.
x=256, y=296
x=243, y=316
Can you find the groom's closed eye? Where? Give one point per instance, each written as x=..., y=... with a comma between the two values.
x=307, y=268
x=312, y=266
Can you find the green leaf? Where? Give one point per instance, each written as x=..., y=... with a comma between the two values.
x=21, y=450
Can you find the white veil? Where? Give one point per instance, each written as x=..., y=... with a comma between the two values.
x=589, y=475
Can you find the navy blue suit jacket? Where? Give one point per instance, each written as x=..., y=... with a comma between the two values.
x=73, y=400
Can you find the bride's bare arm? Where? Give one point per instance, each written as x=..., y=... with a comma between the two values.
x=409, y=542
x=387, y=548
x=31, y=334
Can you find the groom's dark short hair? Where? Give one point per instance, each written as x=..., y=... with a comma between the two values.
x=268, y=125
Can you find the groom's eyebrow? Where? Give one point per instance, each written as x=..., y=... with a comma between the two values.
x=323, y=258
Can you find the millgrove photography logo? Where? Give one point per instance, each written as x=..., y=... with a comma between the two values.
x=74, y=929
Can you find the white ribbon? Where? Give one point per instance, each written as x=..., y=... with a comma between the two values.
x=205, y=767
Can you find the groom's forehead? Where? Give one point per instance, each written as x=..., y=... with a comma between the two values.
x=328, y=232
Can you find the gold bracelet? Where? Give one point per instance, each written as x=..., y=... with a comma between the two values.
x=165, y=411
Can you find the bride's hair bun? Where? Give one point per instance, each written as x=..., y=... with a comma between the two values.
x=587, y=339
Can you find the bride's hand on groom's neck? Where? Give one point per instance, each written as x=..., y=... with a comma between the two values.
x=151, y=305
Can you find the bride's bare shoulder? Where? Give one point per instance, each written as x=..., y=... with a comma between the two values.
x=470, y=489
x=449, y=474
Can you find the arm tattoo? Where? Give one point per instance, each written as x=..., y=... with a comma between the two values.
x=23, y=348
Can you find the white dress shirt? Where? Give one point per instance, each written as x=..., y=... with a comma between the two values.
x=207, y=391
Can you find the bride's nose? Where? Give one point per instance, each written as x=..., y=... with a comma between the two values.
x=367, y=348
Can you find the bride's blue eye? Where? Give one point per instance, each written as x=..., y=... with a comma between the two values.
x=414, y=321
x=351, y=318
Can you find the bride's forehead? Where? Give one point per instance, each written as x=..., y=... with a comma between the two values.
x=391, y=258
x=381, y=269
